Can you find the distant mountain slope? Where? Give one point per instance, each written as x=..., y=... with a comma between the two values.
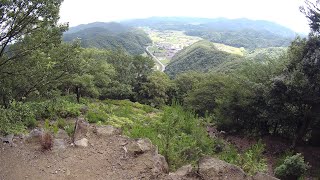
x=202, y=56
x=206, y=56
x=111, y=26
x=109, y=36
x=234, y=32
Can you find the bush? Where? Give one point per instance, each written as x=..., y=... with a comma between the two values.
x=178, y=134
x=251, y=161
x=293, y=167
x=61, y=123
x=69, y=128
x=16, y=118
x=46, y=141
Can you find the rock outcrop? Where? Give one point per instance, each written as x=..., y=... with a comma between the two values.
x=106, y=131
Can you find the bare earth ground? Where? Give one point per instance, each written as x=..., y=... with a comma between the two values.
x=102, y=159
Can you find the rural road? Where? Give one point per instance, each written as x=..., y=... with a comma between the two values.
x=161, y=67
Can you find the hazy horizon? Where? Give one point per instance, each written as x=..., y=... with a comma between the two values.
x=284, y=12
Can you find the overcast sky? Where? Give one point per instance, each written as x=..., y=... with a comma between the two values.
x=284, y=12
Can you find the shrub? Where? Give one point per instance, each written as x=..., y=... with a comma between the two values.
x=16, y=118
x=61, y=123
x=69, y=128
x=251, y=161
x=178, y=134
x=46, y=141
x=293, y=167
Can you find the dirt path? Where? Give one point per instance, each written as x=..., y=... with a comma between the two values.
x=102, y=159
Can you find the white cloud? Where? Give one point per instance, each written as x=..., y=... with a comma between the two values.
x=285, y=12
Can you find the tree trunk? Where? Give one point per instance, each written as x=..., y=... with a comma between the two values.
x=303, y=127
x=4, y=101
x=78, y=94
x=275, y=129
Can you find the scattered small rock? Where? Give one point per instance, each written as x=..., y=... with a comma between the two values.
x=8, y=139
x=82, y=143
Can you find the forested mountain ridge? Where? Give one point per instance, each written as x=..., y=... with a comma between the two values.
x=202, y=56
x=110, y=26
x=111, y=36
x=192, y=23
x=242, y=32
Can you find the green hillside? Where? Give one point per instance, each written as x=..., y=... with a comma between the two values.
x=202, y=56
x=109, y=36
x=242, y=32
x=247, y=38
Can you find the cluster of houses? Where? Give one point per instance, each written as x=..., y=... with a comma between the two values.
x=166, y=50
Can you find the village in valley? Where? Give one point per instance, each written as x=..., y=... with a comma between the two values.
x=167, y=43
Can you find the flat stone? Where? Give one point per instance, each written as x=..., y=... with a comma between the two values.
x=8, y=139
x=82, y=142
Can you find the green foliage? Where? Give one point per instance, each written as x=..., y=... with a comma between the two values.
x=251, y=161
x=111, y=36
x=201, y=56
x=69, y=128
x=292, y=167
x=96, y=114
x=248, y=38
x=16, y=118
x=47, y=125
x=178, y=134
x=55, y=108
x=123, y=114
x=154, y=90
x=61, y=123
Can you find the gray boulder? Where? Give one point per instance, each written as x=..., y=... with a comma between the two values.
x=82, y=129
x=139, y=146
x=212, y=169
x=8, y=139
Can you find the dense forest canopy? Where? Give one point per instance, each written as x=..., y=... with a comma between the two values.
x=111, y=36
